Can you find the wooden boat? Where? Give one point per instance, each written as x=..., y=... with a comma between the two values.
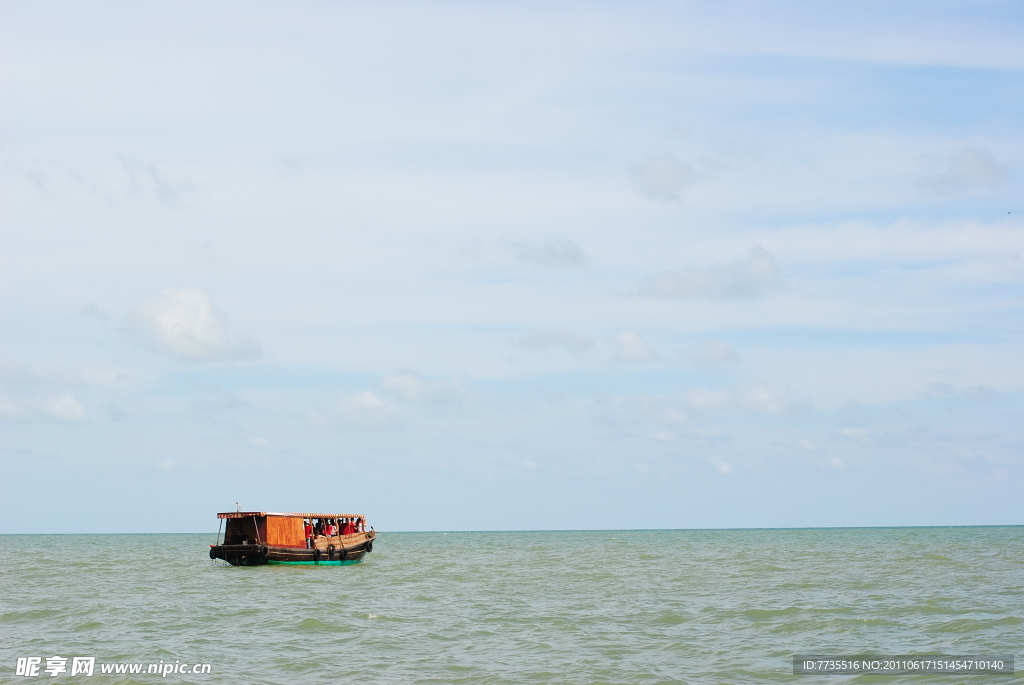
x=254, y=538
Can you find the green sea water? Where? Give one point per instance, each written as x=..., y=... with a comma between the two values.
x=712, y=606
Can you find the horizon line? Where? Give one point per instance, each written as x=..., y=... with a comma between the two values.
x=601, y=530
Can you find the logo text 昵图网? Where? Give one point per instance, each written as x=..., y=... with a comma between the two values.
x=53, y=666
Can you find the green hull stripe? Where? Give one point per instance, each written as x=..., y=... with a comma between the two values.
x=339, y=562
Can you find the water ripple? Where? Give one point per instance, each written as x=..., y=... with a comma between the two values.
x=575, y=607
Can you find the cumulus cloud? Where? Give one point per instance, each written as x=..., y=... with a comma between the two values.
x=968, y=169
x=662, y=178
x=363, y=411
x=857, y=435
x=566, y=338
x=761, y=399
x=703, y=434
x=417, y=390
x=183, y=323
x=980, y=393
x=552, y=252
x=713, y=353
x=755, y=399
x=9, y=410
x=632, y=348
x=724, y=468
x=756, y=274
x=62, y=408
x=709, y=399
x=369, y=412
x=24, y=374
x=663, y=410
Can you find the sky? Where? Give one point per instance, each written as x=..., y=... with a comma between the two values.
x=501, y=266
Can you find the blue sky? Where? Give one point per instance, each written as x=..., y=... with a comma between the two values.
x=484, y=266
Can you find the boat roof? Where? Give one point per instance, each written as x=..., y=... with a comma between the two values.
x=305, y=515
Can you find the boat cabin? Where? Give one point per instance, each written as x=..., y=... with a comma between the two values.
x=285, y=530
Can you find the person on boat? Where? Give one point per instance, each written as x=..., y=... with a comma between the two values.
x=332, y=530
x=308, y=529
x=347, y=528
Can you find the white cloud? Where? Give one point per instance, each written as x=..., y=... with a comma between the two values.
x=698, y=434
x=106, y=377
x=9, y=411
x=412, y=388
x=363, y=411
x=857, y=435
x=709, y=399
x=662, y=178
x=673, y=415
x=366, y=411
x=807, y=445
x=318, y=419
x=24, y=374
x=761, y=399
x=756, y=399
x=183, y=322
x=566, y=338
x=968, y=169
x=704, y=433
x=723, y=467
x=63, y=408
x=552, y=252
x=712, y=353
x=980, y=393
x=632, y=348
x=756, y=274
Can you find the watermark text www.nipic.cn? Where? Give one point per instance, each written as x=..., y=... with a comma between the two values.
x=34, y=666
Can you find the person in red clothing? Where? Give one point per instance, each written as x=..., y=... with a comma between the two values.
x=309, y=533
x=347, y=528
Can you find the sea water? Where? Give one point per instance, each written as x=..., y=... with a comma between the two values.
x=702, y=606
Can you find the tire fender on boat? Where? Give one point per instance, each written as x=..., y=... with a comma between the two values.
x=316, y=554
x=263, y=550
x=330, y=551
x=369, y=546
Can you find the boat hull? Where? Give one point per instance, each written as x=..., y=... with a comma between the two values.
x=335, y=551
